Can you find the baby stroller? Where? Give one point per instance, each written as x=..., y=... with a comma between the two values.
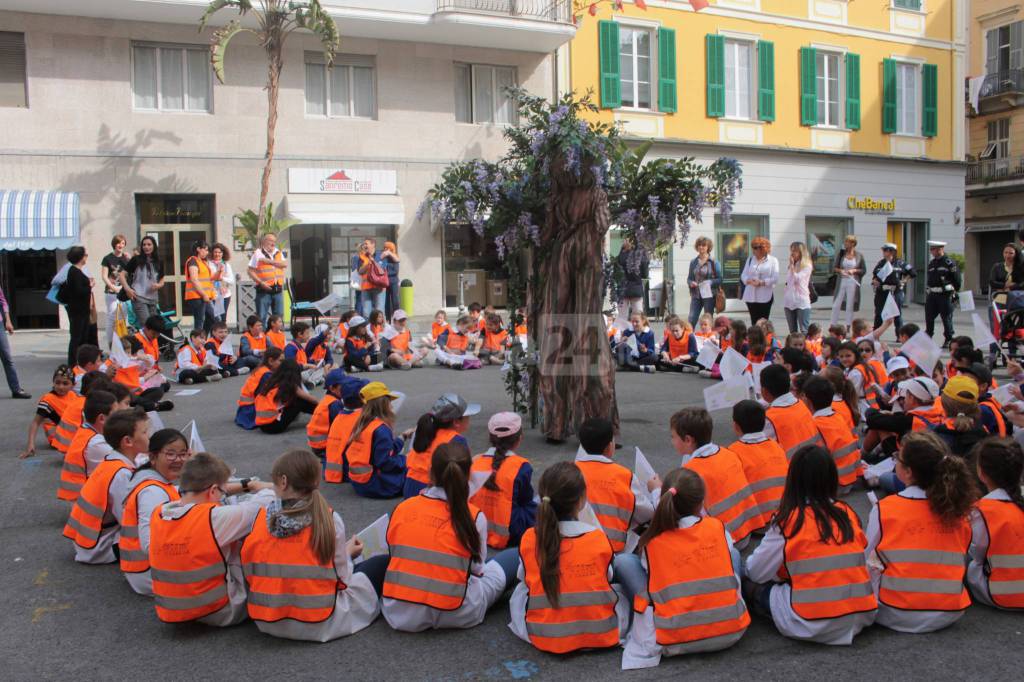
x=1007, y=327
x=170, y=339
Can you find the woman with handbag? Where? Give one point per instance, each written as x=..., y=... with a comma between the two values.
x=797, y=300
x=373, y=278
x=76, y=294
x=847, y=273
x=704, y=278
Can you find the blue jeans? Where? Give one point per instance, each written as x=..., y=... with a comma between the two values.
x=798, y=319
x=370, y=300
x=890, y=483
x=628, y=571
x=202, y=314
x=268, y=303
x=8, y=361
x=508, y=559
x=700, y=305
x=374, y=568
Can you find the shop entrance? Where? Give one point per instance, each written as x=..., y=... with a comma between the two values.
x=990, y=246
x=321, y=258
x=911, y=240
x=475, y=258
x=732, y=246
x=25, y=276
x=177, y=222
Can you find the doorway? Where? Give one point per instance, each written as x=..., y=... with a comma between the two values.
x=321, y=258
x=177, y=222
x=911, y=240
x=25, y=277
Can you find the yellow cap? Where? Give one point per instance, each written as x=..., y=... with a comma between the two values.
x=374, y=390
x=962, y=389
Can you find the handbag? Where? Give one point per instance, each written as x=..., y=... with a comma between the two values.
x=813, y=292
x=1015, y=300
x=719, y=300
x=377, y=276
x=120, y=321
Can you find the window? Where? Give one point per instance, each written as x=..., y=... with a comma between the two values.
x=481, y=94
x=635, y=67
x=738, y=78
x=1004, y=48
x=13, y=82
x=345, y=90
x=908, y=118
x=169, y=78
x=829, y=83
x=824, y=240
x=907, y=4
x=998, y=146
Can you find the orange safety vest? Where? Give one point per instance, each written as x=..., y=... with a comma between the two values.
x=359, y=454
x=418, y=463
x=765, y=466
x=437, y=329
x=58, y=404
x=300, y=354
x=521, y=330
x=701, y=602
x=319, y=424
x=256, y=342
x=252, y=382
x=677, y=347
x=497, y=504
x=319, y=353
x=400, y=344
x=881, y=376
x=285, y=578
x=364, y=278
x=74, y=472
x=841, y=408
x=198, y=356
x=129, y=377
x=457, y=341
x=150, y=347
x=205, y=277
x=269, y=275
x=268, y=410
x=428, y=564
x=1000, y=419
x=70, y=420
x=189, y=572
x=923, y=557
x=85, y=523
x=1004, y=561
x=495, y=341
x=585, y=617
x=134, y=559
x=276, y=339
x=610, y=495
x=337, y=437
x=728, y=497
x=829, y=580
x=794, y=427
x=843, y=444
x=813, y=346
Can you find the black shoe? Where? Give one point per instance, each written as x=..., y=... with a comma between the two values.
x=164, y=406
x=21, y=395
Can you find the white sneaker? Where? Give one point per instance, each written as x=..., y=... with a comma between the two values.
x=706, y=373
x=647, y=369
x=214, y=377
x=376, y=368
x=243, y=370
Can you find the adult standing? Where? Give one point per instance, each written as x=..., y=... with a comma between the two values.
x=76, y=295
x=759, y=277
x=5, y=351
x=266, y=269
x=943, y=281
x=371, y=297
x=142, y=280
x=890, y=276
x=199, y=287
x=797, y=300
x=224, y=279
x=1006, y=276
x=635, y=266
x=704, y=277
x=391, y=260
x=110, y=272
x=849, y=269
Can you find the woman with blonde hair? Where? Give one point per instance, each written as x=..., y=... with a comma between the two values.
x=704, y=277
x=797, y=301
x=759, y=277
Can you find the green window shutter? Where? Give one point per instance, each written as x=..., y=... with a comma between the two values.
x=765, y=80
x=888, y=96
x=667, y=70
x=852, y=91
x=808, y=86
x=608, y=60
x=715, y=55
x=930, y=95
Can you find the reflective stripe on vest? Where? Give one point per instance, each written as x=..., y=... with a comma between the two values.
x=337, y=438
x=359, y=454
x=319, y=424
x=70, y=421
x=204, y=276
x=269, y=275
x=728, y=496
x=267, y=408
x=247, y=396
x=497, y=504
x=1005, y=557
x=73, y=472
x=134, y=558
x=794, y=427
x=610, y=495
x=765, y=466
x=418, y=463
x=85, y=523
x=843, y=445
x=188, y=569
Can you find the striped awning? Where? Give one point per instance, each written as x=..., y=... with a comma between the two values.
x=32, y=220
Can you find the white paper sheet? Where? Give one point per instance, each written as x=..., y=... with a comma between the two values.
x=885, y=271
x=119, y=356
x=704, y=289
x=195, y=443
x=374, y=538
x=523, y=341
x=922, y=350
x=188, y=391
x=1003, y=395
x=727, y=393
x=327, y=303
x=218, y=306
x=389, y=332
x=643, y=469
x=396, y=404
x=226, y=347
x=982, y=334
x=732, y=364
x=891, y=309
x=966, y=300
x=708, y=354
x=755, y=375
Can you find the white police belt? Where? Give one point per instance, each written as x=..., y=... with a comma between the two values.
x=890, y=287
x=937, y=290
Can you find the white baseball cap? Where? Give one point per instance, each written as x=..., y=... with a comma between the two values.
x=896, y=363
x=922, y=388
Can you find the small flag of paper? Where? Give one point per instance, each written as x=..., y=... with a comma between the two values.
x=642, y=468
x=327, y=303
x=966, y=300
x=226, y=347
x=118, y=355
x=884, y=271
x=922, y=350
x=733, y=364
x=389, y=332
x=982, y=334
x=727, y=393
x=708, y=354
x=891, y=308
x=195, y=443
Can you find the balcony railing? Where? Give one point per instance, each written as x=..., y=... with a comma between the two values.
x=1011, y=80
x=995, y=170
x=549, y=10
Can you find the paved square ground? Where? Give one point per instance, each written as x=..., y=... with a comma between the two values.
x=63, y=620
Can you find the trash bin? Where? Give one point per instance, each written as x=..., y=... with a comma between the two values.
x=405, y=296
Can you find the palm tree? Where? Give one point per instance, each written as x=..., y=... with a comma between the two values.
x=274, y=20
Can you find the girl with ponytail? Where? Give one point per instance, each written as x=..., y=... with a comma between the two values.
x=506, y=497
x=997, y=550
x=558, y=610
x=962, y=428
x=305, y=540
x=447, y=420
x=918, y=538
x=436, y=575
x=845, y=399
x=687, y=563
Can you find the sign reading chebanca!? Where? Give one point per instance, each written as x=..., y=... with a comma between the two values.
x=871, y=205
x=341, y=181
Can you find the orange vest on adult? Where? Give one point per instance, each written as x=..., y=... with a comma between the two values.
x=204, y=277
x=400, y=344
x=697, y=604
x=677, y=347
x=276, y=339
x=497, y=504
x=585, y=616
x=150, y=347
x=765, y=466
x=188, y=569
x=418, y=463
x=611, y=497
x=793, y=426
x=256, y=343
x=73, y=473
x=364, y=277
x=829, y=580
x=320, y=424
x=267, y=408
x=923, y=557
x=56, y=403
x=843, y=445
x=70, y=420
x=728, y=497
x=1005, y=558
x=198, y=356
x=134, y=559
x=285, y=578
x=85, y=523
x=337, y=438
x=359, y=454
x=457, y=341
x=248, y=394
x=267, y=273
x=428, y=564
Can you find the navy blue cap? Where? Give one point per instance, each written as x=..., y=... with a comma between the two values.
x=335, y=377
x=350, y=387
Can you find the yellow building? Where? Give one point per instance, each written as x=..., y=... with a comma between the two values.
x=848, y=117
